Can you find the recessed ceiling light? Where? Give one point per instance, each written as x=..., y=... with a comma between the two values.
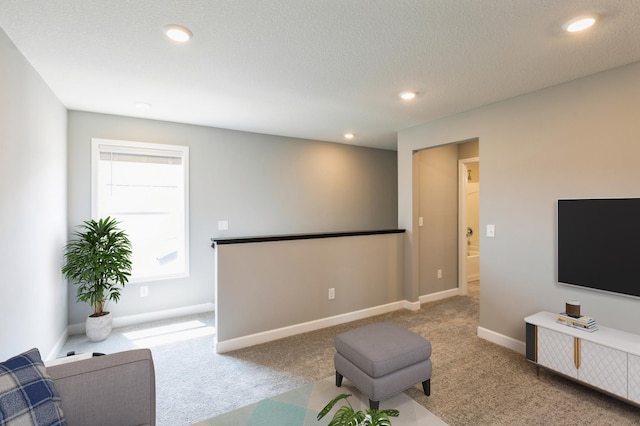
x=349, y=136
x=407, y=96
x=178, y=33
x=580, y=23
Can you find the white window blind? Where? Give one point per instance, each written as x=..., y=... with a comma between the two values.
x=145, y=187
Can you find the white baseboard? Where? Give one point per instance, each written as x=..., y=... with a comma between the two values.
x=411, y=306
x=279, y=333
x=147, y=317
x=57, y=347
x=267, y=336
x=74, y=329
x=502, y=340
x=439, y=295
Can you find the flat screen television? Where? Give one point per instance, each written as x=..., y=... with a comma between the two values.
x=599, y=244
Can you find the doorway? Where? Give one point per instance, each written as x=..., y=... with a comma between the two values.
x=469, y=226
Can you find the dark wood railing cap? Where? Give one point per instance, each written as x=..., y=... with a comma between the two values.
x=290, y=237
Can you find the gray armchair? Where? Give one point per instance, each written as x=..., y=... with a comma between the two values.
x=114, y=389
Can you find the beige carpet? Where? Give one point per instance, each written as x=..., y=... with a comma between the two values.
x=474, y=382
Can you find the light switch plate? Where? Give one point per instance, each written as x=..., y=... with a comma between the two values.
x=491, y=231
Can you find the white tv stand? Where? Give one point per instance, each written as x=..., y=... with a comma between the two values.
x=607, y=359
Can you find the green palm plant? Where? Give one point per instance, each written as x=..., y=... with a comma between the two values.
x=347, y=416
x=98, y=260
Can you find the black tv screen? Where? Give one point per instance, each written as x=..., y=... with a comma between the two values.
x=599, y=244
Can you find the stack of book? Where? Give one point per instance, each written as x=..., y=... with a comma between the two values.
x=582, y=323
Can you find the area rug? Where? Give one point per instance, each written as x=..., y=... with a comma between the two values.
x=300, y=407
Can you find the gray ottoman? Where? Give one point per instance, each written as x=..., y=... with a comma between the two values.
x=382, y=360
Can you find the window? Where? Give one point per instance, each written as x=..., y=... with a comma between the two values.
x=145, y=187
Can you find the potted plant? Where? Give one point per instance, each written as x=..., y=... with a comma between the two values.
x=98, y=260
x=347, y=416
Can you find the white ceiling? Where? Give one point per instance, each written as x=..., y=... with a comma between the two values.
x=313, y=69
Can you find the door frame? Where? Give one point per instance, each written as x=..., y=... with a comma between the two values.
x=462, y=222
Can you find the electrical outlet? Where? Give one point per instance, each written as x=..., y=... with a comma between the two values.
x=144, y=291
x=332, y=293
x=439, y=273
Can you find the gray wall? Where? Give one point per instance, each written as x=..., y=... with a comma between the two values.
x=33, y=304
x=468, y=149
x=578, y=139
x=438, y=206
x=261, y=184
x=294, y=277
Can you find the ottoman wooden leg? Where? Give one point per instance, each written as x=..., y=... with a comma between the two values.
x=374, y=405
x=338, y=379
x=426, y=386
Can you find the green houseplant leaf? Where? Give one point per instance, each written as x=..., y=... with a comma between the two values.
x=347, y=416
x=98, y=261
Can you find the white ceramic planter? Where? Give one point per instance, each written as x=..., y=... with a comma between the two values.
x=98, y=328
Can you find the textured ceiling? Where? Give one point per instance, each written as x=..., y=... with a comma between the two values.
x=313, y=69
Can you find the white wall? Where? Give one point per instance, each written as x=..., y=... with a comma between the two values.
x=261, y=184
x=33, y=194
x=579, y=139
